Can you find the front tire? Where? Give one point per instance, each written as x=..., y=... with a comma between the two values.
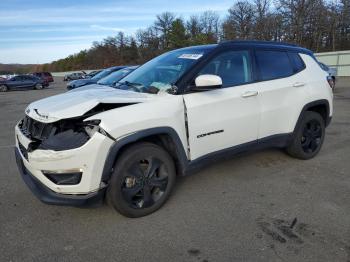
x=3, y=88
x=308, y=137
x=143, y=178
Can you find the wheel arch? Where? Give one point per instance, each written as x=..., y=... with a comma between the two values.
x=319, y=106
x=165, y=137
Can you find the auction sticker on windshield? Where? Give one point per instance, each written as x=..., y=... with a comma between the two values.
x=191, y=56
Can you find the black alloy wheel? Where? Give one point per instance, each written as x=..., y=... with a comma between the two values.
x=143, y=178
x=312, y=136
x=308, y=137
x=145, y=183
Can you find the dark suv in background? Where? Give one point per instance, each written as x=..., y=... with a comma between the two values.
x=46, y=76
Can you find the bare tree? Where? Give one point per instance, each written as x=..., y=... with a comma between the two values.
x=262, y=17
x=209, y=23
x=193, y=27
x=240, y=20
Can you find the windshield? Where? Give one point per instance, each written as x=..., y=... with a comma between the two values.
x=102, y=74
x=114, y=77
x=162, y=72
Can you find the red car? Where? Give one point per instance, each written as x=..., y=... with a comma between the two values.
x=46, y=76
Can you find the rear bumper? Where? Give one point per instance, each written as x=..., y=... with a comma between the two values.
x=48, y=196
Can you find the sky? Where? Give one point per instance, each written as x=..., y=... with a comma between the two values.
x=46, y=30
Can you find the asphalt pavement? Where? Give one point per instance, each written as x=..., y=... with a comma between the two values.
x=262, y=206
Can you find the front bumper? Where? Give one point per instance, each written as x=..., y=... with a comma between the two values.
x=50, y=197
x=88, y=158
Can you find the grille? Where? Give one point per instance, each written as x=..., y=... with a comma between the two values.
x=36, y=130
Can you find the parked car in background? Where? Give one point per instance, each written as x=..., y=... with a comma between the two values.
x=110, y=80
x=46, y=76
x=115, y=77
x=93, y=80
x=74, y=76
x=22, y=82
x=92, y=73
x=2, y=78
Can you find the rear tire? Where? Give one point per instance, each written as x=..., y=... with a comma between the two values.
x=143, y=178
x=3, y=88
x=308, y=136
x=38, y=86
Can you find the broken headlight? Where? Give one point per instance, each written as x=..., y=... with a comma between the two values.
x=92, y=126
x=72, y=138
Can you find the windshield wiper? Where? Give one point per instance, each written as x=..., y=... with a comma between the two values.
x=127, y=83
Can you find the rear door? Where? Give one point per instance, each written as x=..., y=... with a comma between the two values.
x=281, y=91
x=27, y=81
x=16, y=82
x=226, y=117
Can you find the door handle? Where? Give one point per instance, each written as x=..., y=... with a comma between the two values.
x=250, y=93
x=298, y=84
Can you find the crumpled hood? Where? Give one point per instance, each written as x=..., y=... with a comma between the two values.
x=74, y=104
x=81, y=82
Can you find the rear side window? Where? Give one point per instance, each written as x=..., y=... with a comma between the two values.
x=273, y=64
x=298, y=63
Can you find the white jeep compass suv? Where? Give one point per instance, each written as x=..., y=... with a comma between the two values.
x=175, y=113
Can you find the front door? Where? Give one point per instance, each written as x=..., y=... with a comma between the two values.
x=226, y=117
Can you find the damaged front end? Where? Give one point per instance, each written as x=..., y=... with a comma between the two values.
x=61, y=135
x=61, y=144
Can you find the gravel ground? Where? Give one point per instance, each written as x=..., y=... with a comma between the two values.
x=263, y=206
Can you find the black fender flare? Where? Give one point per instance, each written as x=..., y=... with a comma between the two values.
x=118, y=144
x=306, y=107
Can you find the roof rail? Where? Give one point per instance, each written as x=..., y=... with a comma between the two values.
x=256, y=42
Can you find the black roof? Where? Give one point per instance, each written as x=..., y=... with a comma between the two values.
x=267, y=44
x=252, y=43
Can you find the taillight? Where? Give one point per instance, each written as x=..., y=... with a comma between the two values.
x=331, y=82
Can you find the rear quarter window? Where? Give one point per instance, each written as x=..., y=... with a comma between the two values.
x=273, y=64
x=298, y=63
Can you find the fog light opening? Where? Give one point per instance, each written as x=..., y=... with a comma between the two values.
x=64, y=177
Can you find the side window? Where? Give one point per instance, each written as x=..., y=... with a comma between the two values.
x=298, y=63
x=273, y=64
x=234, y=67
